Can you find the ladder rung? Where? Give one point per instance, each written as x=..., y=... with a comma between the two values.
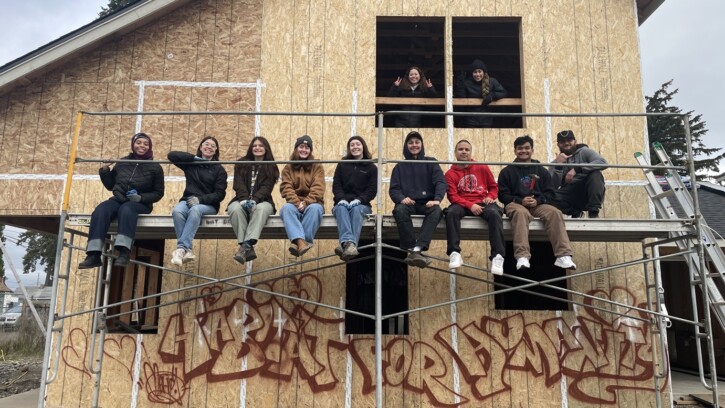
x=662, y=194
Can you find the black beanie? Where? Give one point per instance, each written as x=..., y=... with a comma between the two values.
x=304, y=139
x=478, y=64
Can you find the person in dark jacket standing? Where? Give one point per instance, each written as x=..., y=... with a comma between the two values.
x=472, y=190
x=578, y=189
x=206, y=186
x=478, y=85
x=354, y=185
x=414, y=85
x=135, y=187
x=416, y=188
x=527, y=192
x=252, y=205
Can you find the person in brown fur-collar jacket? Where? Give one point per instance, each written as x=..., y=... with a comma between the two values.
x=303, y=187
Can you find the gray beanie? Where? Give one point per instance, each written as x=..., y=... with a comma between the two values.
x=304, y=140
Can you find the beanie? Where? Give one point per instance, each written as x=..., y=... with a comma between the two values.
x=478, y=64
x=305, y=139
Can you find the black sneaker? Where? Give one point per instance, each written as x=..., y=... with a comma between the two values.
x=93, y=260
x=239, y=255
x=339, y=251
x=593, y=214
x=249, y=253
x=577, y=214
x=416, y=258
x=123, y=257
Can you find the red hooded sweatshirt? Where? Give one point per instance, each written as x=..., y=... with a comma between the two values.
x=470, y=185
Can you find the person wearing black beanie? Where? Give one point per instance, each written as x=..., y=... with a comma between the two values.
x=478, y=85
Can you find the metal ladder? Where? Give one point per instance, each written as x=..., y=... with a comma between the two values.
x=707, y=276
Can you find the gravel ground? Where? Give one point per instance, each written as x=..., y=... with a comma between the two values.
x=20, y=375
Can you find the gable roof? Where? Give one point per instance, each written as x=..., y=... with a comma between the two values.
x=712, y=200
x=57, y=52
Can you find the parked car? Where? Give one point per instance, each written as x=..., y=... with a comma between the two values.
x=11, y=318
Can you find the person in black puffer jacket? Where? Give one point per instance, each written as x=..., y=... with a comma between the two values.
x=414, y=85
x=135, y=187
x=206, y=186
x=353, y=187
x=478, y=85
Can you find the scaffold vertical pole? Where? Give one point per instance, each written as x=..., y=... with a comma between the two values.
x=379, y=274
x=58, y=253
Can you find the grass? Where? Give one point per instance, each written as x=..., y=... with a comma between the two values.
x=26, y=341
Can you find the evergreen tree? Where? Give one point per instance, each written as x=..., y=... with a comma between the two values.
x=40, y=250
x=114, y=5
x=670, y=132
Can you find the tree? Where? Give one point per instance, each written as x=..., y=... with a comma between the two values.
x=2, y=258
x=40, y=250
x=670, y=132
x=114, y=5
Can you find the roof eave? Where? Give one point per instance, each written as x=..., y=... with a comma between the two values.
x=645, y=8
x=24, y=70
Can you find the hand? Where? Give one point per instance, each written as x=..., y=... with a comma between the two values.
x=131, y=192
x=134, y=197
x=561, y=158
x=243, y=203
x=428, y=84
x=343, y=203
x=432, y=203
x=569, y=176
x=354, y=203
x=397, y=81
x=529, y=202
x=407, y=201
x=192, y=201
x=250, y=204
x=301, y=206
x=197, y=158
x=476, y=209
x=106, y=165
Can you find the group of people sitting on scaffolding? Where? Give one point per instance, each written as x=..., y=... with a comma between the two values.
x=526, y=191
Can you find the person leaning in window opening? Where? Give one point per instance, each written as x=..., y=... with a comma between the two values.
x=414, y=85
x=252, y=205
x=303, y=187
x=206, y=186
x=353, y=187
x=578, y=189
x=135, y=187
x=527, y=191
x=472, y=190
x=416, y=188
x=478, y=85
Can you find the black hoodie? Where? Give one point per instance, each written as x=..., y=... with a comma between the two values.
x=421, y=182
x=515, y=183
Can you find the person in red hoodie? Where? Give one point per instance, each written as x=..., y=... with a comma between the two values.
x=472, y=190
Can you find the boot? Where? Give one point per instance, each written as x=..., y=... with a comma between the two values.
x=123, y=257
x=93, y=260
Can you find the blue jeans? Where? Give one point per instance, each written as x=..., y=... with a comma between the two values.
x=187, y=220
x=350, y=221
x=301, y=224
x=127, y=215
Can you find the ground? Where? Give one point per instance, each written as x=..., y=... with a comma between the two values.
x=19, y=371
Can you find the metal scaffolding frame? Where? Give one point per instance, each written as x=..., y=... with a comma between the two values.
x=651, y=234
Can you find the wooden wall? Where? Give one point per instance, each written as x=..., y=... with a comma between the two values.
x=250, y=349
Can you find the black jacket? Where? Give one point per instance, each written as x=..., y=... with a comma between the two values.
x=420, y=182
x=468, y=88
x=263, y=186
x=146, y=178
x=355, y=181
x=514, y=183
x=208, y=182
x=418, y=92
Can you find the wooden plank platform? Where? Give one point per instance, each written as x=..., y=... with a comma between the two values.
x=390, y=100
x=472, y=228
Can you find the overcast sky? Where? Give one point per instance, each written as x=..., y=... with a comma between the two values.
x=679, y=41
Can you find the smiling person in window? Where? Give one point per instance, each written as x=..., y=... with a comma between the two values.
x=478, y=85
x=135, y=187
x=206, y=186
x=413, y=85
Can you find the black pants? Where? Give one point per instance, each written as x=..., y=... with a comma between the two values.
x=586, y=195
x=402, y=214
x=492, y=213
x=127, y=215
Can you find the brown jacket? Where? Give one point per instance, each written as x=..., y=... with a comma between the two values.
x=303, y=184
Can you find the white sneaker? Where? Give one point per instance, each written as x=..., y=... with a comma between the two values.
x=497, y=265
x=176, y=256
x=188, y=256
x=456, y=261
x=522, y=263
x=565, y=262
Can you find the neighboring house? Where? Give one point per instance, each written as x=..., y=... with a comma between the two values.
x=205, y=347
x=7, y=298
